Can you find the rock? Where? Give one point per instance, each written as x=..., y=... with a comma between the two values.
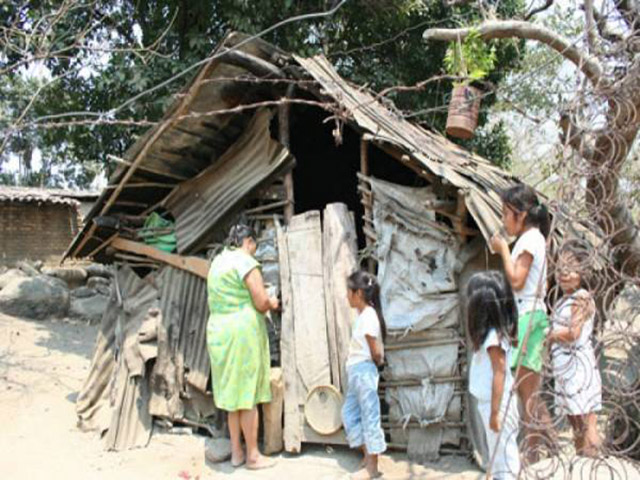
x=89, y=309
x=9, y=276
x=94, y=282
x=37, y=297
x=97, y=270
x=100, y=284
x=74, y=276
x=217, y=450
x=27, y=268
x=83, y=292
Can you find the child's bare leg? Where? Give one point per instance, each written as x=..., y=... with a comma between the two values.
x=591, y=436
x=372, y=466
x=363, y=462
x=578, y=432
x=528, y=384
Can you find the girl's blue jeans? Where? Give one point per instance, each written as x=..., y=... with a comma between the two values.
x=361, y=409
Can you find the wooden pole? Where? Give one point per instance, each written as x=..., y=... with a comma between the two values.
x=285, y=139
x=366, y=202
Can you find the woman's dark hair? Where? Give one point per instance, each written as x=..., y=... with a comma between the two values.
x=490, y=304
x=523, y=198
x=361, y=280
x=238, y=233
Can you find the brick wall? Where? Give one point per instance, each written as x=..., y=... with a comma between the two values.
x=35, y=231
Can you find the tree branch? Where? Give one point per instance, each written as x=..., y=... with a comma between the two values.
x=539, y=9
x=590, y=25
x=588, y=64
x=603, y=28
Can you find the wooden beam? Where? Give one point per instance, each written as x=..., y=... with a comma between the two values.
x=284, y=134
x=197, y=266
x=102, y=245
x=253, y=64
x=269, y=206
x=145, y=168
x=144, y=185
x=367, y=202
x=461, y=213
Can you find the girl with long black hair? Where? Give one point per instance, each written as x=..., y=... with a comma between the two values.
x=361, y=409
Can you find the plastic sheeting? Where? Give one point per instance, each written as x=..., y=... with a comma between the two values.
x=417, y=273
x=416, y=259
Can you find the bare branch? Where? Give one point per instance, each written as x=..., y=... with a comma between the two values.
x=603, y=28
x=589, y=23
x=540, y=9
x=588, y=64
x=575, y=138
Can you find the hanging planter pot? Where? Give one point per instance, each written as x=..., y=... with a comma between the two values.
x=470, y=59
x=464, y=108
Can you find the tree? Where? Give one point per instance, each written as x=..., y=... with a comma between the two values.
x=609, y=62
x=97, y=54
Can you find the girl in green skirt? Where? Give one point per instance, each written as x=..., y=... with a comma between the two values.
x=525, y=267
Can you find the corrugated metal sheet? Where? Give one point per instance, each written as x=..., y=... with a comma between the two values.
x=184, y=298
x=43, y=195
x=131, y=422
x=191, y=141
x=199, y=204
x=188, y=144
x=438, y=155
x=115, y=395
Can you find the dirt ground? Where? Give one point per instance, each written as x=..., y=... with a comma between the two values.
x=42, y=368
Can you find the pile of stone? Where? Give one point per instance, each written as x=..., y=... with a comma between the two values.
x=31, y=290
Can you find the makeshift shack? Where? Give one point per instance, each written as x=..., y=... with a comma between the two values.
x=38, y=223
x=331, y=178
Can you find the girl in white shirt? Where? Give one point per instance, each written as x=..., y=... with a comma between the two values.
x=575, y=370
x=526, y=270
x=361, y=409
x=492, y=327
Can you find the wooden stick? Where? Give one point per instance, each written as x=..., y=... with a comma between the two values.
x=144, y=185
x=262, y=208
x=417, y=382
x=416, y=424
x=284, y=137
x=144, y=168
x=102, y=245
x=197, y=266
x=461, y=213
x=423, y=343
x=364, y=170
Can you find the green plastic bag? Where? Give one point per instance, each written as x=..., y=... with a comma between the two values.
x=159, y=232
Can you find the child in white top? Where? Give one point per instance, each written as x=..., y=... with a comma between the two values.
x=526, y=270
x=577, y=379
x=361, y=409
x=491, y=323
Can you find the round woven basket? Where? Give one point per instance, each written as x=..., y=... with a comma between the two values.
x=322, y=409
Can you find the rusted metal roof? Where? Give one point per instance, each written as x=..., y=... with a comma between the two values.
x=44, y=195
x=480, y=180
x=192, y=137
x=200, y=203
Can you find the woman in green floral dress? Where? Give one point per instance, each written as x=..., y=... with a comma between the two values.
x=238, y=343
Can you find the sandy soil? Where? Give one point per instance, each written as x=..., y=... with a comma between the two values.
x=42, y=368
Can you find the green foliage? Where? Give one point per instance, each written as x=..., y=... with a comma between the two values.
x=493, y=144
x=473, y=59
x=377, y=43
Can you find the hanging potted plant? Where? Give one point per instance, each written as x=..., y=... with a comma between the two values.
x=471, y=60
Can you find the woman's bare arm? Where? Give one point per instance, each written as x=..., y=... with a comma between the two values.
x=259, y=296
